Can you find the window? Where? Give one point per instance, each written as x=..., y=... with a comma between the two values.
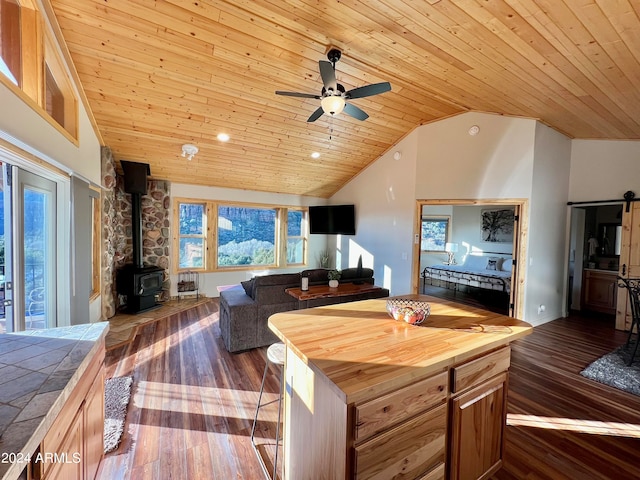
x=54, y=100
x=10, y=61
x=435, y=233
x=59, y=99
x=245, y=236
x=191, y=235
x=296, y=237
x=31, y=65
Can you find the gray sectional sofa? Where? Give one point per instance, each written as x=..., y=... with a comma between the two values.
x=246, y=308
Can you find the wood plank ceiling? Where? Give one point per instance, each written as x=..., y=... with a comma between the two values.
x=158, y=74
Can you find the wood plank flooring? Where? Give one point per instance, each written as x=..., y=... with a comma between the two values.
x=193, y=404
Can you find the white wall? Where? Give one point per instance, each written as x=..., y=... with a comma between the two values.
x=547, y=269
x=604, y=169
x=208, y=282
x=495, y=163
x=385, y=199
x=510, y=158
x=467, y=232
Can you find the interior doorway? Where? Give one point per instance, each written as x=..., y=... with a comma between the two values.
x=470, y=251
x=595, y=246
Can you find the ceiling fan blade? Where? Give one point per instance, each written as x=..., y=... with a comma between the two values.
x=355, y=112
x=368, y=90
x=328, y=75
x=316, y=115
x=296, y=94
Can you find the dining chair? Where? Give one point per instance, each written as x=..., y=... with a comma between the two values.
x=633, y=288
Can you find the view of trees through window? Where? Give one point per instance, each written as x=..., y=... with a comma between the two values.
x=246, y=235
x=191, y=235
x=295, y=237
x=434, y=234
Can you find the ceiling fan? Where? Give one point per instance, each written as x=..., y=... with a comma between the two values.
x=333, y=98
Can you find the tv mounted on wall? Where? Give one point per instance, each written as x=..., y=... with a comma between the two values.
x=332, y=219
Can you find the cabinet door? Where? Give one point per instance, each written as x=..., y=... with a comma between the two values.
x=600, y=292
x=94, y=427
x=66, y=463
x=477, y=430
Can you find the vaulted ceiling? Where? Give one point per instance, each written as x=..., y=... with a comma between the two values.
x=159, y=74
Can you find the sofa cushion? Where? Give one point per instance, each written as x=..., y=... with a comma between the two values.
x=317, y=276
x=352, y=274
x=276, y=279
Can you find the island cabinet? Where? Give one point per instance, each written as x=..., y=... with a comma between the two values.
x=73, y=446
x=478, y=416
x=370, y=398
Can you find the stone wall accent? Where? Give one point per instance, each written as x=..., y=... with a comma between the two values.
x=109, y=207
x=117, y=247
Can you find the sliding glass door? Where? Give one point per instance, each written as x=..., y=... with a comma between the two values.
x=35, y=211
x=6, y=284
x=28, y=263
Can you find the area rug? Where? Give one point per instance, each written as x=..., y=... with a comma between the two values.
x=612, y=370
x=117, y=392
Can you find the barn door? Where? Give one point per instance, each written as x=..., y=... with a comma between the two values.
x=629, y=261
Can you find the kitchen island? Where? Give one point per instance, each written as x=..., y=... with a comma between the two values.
x=52, y=402
x=369, y=397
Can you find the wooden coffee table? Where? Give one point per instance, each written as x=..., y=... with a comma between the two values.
x=325, y=291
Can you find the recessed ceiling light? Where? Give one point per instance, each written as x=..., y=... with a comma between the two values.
x=315, y=155
x=223, y=137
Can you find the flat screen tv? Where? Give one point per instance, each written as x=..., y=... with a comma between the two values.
x=332, y=219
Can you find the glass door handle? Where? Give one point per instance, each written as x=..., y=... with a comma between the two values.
x=7, y=303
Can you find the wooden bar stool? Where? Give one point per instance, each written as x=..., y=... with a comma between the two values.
x=275, y=355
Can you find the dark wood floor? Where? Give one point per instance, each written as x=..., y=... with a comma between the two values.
x=193, y=404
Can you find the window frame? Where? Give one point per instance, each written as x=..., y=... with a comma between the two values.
x=304, y=235
x=436, y=218
x=39, y=51
x=210, y=234
x=204, y=235
x=96, y=237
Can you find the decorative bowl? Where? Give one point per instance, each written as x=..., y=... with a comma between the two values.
x=407, y=310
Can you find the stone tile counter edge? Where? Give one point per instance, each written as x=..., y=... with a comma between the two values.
x=38, y=371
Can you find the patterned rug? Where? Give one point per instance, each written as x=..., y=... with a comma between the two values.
x=117, y=392
x=612, y=370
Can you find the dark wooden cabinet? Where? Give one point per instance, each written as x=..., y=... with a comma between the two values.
x=600, y=289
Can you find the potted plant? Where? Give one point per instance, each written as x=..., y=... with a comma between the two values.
x=334, y=276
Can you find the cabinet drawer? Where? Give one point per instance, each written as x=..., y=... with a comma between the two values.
x=383, y=412
x=406, y=451
x=481, y=369
x=436, y=473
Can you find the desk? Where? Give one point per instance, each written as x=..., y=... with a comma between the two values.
x=324, y=291
x=385, y=398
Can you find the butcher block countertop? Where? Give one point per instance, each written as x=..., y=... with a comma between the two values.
x=363, y=351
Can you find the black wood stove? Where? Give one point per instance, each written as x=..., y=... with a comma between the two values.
x=138, y=282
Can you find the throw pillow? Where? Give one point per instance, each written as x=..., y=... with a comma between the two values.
x=248, y=287
x=492, y=264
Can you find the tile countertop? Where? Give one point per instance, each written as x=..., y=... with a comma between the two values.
x=38, y=371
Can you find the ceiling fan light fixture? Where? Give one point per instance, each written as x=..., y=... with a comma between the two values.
x=189, y=150
x=332, y=104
